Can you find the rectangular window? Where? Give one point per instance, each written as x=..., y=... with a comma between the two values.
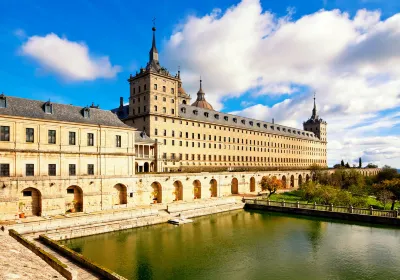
x=29, y=170
x=72, y=170
x=155, y=132
x=118, y=141
x=72, y=139
x=90, y=139
x=90, y=169
x=52, y=170
x=4, y=133
x=4, y=170
x=52, y=137
x=29, y=135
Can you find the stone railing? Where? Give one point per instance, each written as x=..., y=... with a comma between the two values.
x=321, y=207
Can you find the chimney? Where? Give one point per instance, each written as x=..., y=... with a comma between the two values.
x=121, y=102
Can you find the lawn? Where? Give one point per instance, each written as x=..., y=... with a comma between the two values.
x=294, y=196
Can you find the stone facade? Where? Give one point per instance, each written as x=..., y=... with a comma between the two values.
x=198, y=138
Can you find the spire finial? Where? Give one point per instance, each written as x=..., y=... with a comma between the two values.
x=154, y=24
x=201, y=88
x=314, y=111
x=153, y=50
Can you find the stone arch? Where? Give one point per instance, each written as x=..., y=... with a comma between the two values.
x=300, y=182
x=292, y=181
x=74, y=199
x=178, y=190
x=30, y=202
x=234, y=186
x=307, y=178
x=284, y=181
x=213, y=188
x=197, y=189
x=146, y=167
x=156, y=192
x=252, y=184
x=120, y=194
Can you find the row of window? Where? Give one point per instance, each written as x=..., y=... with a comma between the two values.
x=52, y=169
x=237, y=140
x=173, y=156
x=155, y=87
x=51, y=138
x=155, y=98
x=164, y=110
x=243, y=131
x=251, y=123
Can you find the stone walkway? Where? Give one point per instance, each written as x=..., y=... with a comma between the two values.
x=18, y=262
x=83, y=273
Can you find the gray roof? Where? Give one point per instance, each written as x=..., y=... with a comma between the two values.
x=121, y=112
x=141, y=137
x=27, y=108
x=200, y=114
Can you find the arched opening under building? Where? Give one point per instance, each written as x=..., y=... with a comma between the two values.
x=178, y=190
x=30, y=202
x=284, y=181
x=307, y=178
x=74, y=199
x=234, y=186
x=213, y=188
x=156, y=192
x=146, y=167
x=197, y=189
x=300, y=182
x=120, y=194
x=292, y=181
x=252, y=184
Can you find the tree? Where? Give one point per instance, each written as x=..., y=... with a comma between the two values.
x=370, y=165
x=386, y=173
x=342, y=163
x=392, y=186
x=347, y=165
x=384, y=196
x=270, y=184
x=359, y=163
x=337, y=166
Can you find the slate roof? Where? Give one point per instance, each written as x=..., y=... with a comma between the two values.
x=188, y=112
x=121, y=112
x=141, y=137
x=27, y=108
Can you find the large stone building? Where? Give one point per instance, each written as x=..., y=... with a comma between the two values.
x=197, y=138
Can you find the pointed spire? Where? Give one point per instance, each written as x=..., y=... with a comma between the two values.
x=153, y=51
x=200, y=93
x=314, y=111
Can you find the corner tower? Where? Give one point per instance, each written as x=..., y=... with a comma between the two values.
x=316, y=124
x=154, y=93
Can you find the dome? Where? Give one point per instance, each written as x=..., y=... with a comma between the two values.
x=181, y=90
x=201, y=101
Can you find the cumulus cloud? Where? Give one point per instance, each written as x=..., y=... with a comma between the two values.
x=353, y=63
x=68, y=59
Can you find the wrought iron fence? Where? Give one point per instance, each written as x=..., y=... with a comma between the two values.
x=322, y=207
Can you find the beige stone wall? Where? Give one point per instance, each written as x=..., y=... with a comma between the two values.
x=207, y=145
x=105, y=192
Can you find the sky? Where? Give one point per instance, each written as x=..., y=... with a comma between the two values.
x=257, y=58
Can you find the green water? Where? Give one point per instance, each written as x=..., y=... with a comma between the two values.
x=248, y=245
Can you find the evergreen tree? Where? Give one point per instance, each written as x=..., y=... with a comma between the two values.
x=342, y=163
x=347, y=165
x=359, y=163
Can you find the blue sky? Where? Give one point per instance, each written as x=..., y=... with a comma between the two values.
x=117, y=38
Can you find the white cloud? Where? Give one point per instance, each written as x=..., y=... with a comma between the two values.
x=70, y=60
x=352, y=63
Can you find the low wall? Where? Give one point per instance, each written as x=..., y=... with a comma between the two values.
x=327, y=214
x=191, y=210
x=47, y=257
x=104, y=272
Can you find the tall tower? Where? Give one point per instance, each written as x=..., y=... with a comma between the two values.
x=316, y=124
x=154, y=93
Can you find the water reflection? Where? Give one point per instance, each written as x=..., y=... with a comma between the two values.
x=248, y=245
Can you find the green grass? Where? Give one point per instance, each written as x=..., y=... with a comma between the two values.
x=294, y=196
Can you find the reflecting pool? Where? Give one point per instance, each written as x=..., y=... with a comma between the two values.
x=248, y=245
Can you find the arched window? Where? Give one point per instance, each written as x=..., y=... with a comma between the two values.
x=172, y=90
x=258, y=124
x=155, y=108
x=251, y=123
x=216, y=116
x=195, y=112
x=235, y=120
x=172, y=100
x=164, y=89
x=86, y=113
x=243, y=122
x=155, y=86
x=184, y=102
x=48, y=107
x=183, y=110
x=206, y=114
x=226, y=118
